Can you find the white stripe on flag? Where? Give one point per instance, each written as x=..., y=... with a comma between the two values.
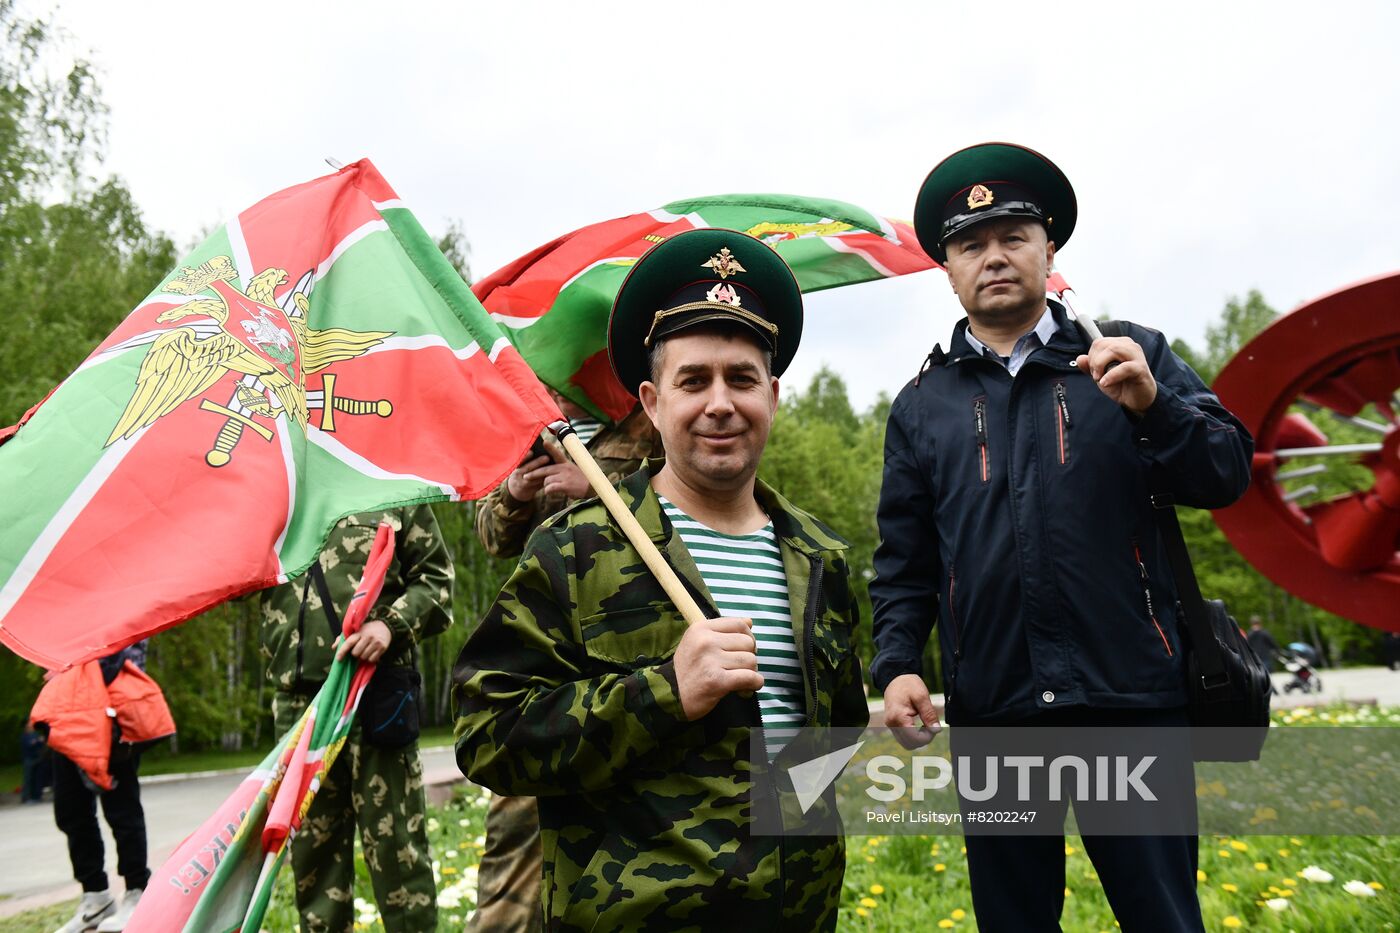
x=496, y=348
x=387, y=205
x=351, y=238
x=591, y=266
x=423, y=342
x=288, y=461
x=242, y=261
x=29, y=565
x=841, y=246
x=353, y=460
x=515, y=322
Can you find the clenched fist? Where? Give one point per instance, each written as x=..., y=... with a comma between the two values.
x=715, y=658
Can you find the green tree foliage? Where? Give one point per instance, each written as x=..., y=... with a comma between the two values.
x=1238, y=324
x=75, y=256
x=828, y=460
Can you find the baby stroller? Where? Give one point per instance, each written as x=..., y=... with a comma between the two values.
x=1299, y=659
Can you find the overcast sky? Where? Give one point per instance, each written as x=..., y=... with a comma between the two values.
x=1214, y=147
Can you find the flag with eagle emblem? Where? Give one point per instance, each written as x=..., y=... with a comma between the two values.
x=315, y=357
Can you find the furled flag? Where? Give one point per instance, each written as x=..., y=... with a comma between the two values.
x=221, y=878
x=315, y=357
x=554, y=301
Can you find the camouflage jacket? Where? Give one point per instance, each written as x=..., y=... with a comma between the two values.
x=416, y=601
x=504, y=522
x=567, y=691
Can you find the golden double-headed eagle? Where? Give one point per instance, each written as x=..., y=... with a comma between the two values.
x=181, y=363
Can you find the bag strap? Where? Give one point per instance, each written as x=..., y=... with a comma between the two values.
x=1209, y=655
x=314, y=575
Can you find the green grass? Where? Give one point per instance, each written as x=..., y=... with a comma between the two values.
x=899, y=883
x=917, y=882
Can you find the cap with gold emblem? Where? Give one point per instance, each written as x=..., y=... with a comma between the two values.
x=992, y=180
x=701, y=276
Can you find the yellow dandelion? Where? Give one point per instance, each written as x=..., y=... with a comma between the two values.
x=1070, y=850
x=1261, y=866
x=940, y=867
x=869, y=902
x=1291, y=882
x=945, y=924
x=1227, y=886
x=1200, y=875
x=1375, y=885
x=448, y=870
x=1295, y=840
x=1232, y=922
x=964, y=850
x=870, y=858
x=1224, y=853
x=959, y=913
x=1068, y=892
x=1284, y=853
x=1239, y=846
x=862, y=912
x=877, y=889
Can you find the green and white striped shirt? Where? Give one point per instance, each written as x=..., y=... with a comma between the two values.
x=744, y=574
x=586, y=428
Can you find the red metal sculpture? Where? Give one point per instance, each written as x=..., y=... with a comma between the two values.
x=1335, y=360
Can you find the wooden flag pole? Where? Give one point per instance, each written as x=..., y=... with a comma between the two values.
x=628, y=522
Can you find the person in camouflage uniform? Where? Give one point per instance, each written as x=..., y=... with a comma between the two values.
x=584, y=686
x=547, y=485
x=508, y=879
x=380, y=790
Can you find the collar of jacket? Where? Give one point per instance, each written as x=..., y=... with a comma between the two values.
x=794, y=527
x=1066, y=341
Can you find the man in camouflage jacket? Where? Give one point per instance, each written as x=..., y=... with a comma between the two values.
x=379, y=789
x=508, y=879
x=584, y=685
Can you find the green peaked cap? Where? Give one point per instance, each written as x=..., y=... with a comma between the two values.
x=700, y=276
x=993, y=180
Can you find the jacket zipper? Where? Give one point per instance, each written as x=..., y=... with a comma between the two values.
x=979, y=422
x=1147, y=597
x=808, y=623
x=953, y=614
x=1062, y=420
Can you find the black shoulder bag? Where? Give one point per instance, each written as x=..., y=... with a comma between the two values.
x=1227, y=685
x=391, y=708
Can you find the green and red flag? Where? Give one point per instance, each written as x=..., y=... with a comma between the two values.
x=221, y=878
x=554, y=301
x=315, y=357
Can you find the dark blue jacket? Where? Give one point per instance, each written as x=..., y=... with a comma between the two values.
x=1015, y=512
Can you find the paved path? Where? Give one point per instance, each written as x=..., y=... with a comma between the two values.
x=1353, y=685
x=34, y=867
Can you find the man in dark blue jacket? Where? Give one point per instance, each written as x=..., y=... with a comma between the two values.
x=1015, y=513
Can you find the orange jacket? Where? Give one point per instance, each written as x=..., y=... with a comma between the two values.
x=79, y=708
